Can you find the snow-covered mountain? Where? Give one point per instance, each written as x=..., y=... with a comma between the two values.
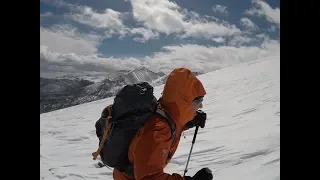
x=241, y=139
x=94, y=77
x=61, y=85
x=138, y=75
x=61, y=93
x=110, y=86
x=89, y=77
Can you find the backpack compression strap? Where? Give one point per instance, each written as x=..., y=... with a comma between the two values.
x=105, y=134
x=170, y=121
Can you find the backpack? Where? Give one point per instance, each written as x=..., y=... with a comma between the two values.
x=132, y=107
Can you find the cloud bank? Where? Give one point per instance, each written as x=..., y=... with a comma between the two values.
x=65, y=48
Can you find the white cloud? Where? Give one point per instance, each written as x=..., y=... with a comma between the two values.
x=247, y=23
x=263, y=37
x=47, y=14
x=64, y=48
x=65, y=62
x=219, y=39
x=108, y=19
x=261, y=8
x=196, y=57
x=209, y=30
x=66, y=39
x=145, y=34
x=167, y=17
x=112, y=22
x=220, y=9
x=57, y=3
x=240, y=40
x=155, y=16
x=160, y=15
x=206, y=58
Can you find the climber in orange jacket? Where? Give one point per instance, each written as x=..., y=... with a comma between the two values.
x=151, y=149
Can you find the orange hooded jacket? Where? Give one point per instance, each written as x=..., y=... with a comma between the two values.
x=148, y=151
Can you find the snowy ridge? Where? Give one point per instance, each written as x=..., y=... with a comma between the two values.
x=112, y=85
x=63, y=85
x=139, y=75
x=241, y=139
x=94, y=77
x=62, y=93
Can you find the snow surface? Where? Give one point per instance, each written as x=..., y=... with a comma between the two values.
x=241, y=140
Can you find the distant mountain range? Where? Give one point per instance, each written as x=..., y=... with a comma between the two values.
x=69, y=90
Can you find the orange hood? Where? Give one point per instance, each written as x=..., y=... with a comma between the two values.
x=181, y=88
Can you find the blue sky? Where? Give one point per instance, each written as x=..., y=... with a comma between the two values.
x=203, y=35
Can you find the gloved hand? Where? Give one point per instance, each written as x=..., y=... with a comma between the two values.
x=203, y=174
x=199, y=119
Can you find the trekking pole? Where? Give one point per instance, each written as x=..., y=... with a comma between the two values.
x=193, y=141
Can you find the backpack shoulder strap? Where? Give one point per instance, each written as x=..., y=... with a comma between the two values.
x=105, y=133
x=170, y=121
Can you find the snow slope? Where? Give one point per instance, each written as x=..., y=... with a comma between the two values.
x=241, y=140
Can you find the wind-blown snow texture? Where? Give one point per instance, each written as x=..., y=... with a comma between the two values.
x=241, y=140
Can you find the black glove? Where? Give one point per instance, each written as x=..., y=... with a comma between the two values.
x=203, y=174
x=199, y=119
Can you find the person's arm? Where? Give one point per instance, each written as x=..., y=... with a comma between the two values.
x=151, y=153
